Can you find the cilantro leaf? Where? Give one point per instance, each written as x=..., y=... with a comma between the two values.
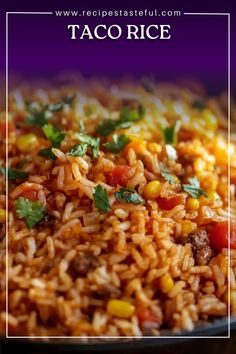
x=31, y=211
x=199, y=105
x=129, y=195
x=78, y=150
x=41, y=117
x=118, y=143
x=53, y=134
x=47, y=153
x=13, y=174
x=193, y=188
x=128, y=115
x=100, y=198
x=90, y=141
x=107, y=127
x=168, y=177
x=170, y=133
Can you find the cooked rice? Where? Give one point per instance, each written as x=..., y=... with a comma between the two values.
x=130, y=247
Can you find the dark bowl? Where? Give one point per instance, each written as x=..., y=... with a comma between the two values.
x=211, y=338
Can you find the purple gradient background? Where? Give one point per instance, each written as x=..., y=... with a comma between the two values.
x=40, y=45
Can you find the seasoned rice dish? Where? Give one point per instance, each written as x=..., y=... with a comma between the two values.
x=120, y=210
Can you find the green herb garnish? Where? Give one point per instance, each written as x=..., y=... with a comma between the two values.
x=199, y=105
x=91, y=142
x=13, y=174
x=78, y=150
x=193, y=188
x=129, y=195
x=40, y=117
x=128, y=115
x=168, y=176
x=118, y=143
x=31, y=211
x=55, y=136
x=100, y=198
x=170, y=133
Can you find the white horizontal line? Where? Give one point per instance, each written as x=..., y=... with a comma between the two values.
x=208, y=13
x=28, y=13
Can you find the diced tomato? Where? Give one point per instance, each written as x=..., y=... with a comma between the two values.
x=220, y=233
x=31, y=194
x=119, y=175
x=11, y=128
x=145, y=315
x=170, y=203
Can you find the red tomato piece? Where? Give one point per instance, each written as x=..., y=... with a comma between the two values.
x=145, y=315
x=220, y=233
x=119, y=175
x=31, y=194
x=11, y=128
x=170, y=203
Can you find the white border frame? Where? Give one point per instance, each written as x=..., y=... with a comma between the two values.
x=7, y=195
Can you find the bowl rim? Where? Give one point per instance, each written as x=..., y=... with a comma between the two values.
x=217, y=329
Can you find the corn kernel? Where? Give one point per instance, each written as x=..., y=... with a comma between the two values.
x=120, y=308
x=154, y=148
x=166, y=283
x=152, y=190
x=192, y=204
x=199, y=165
x=213, y=195
x=137, y=144
x=26, y=142
x=2, y=215
x=188, y=227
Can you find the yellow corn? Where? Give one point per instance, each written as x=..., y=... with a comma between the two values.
x=166, y=283
x=137, y=144
x=188, y=227
x=26, y=142
x=2, y=215
x=154, y=148
x=192, y=204
x=213, y=195
x=152, y=189
x=120, y=308
x=199, y=165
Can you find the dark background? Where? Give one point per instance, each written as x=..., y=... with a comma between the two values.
x=40, y=45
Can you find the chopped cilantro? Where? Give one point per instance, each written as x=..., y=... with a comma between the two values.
x=170, y=133
x=199, y=105
x=100, y=198
x=91, y=142
x=31, y=211
x=55, y=136
x=40, y=117
x=13, y=174
x=193, y=188
x=127, y=116
x=118, y=143
x=129, y=195
x=168, y=177
x=78, y=150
